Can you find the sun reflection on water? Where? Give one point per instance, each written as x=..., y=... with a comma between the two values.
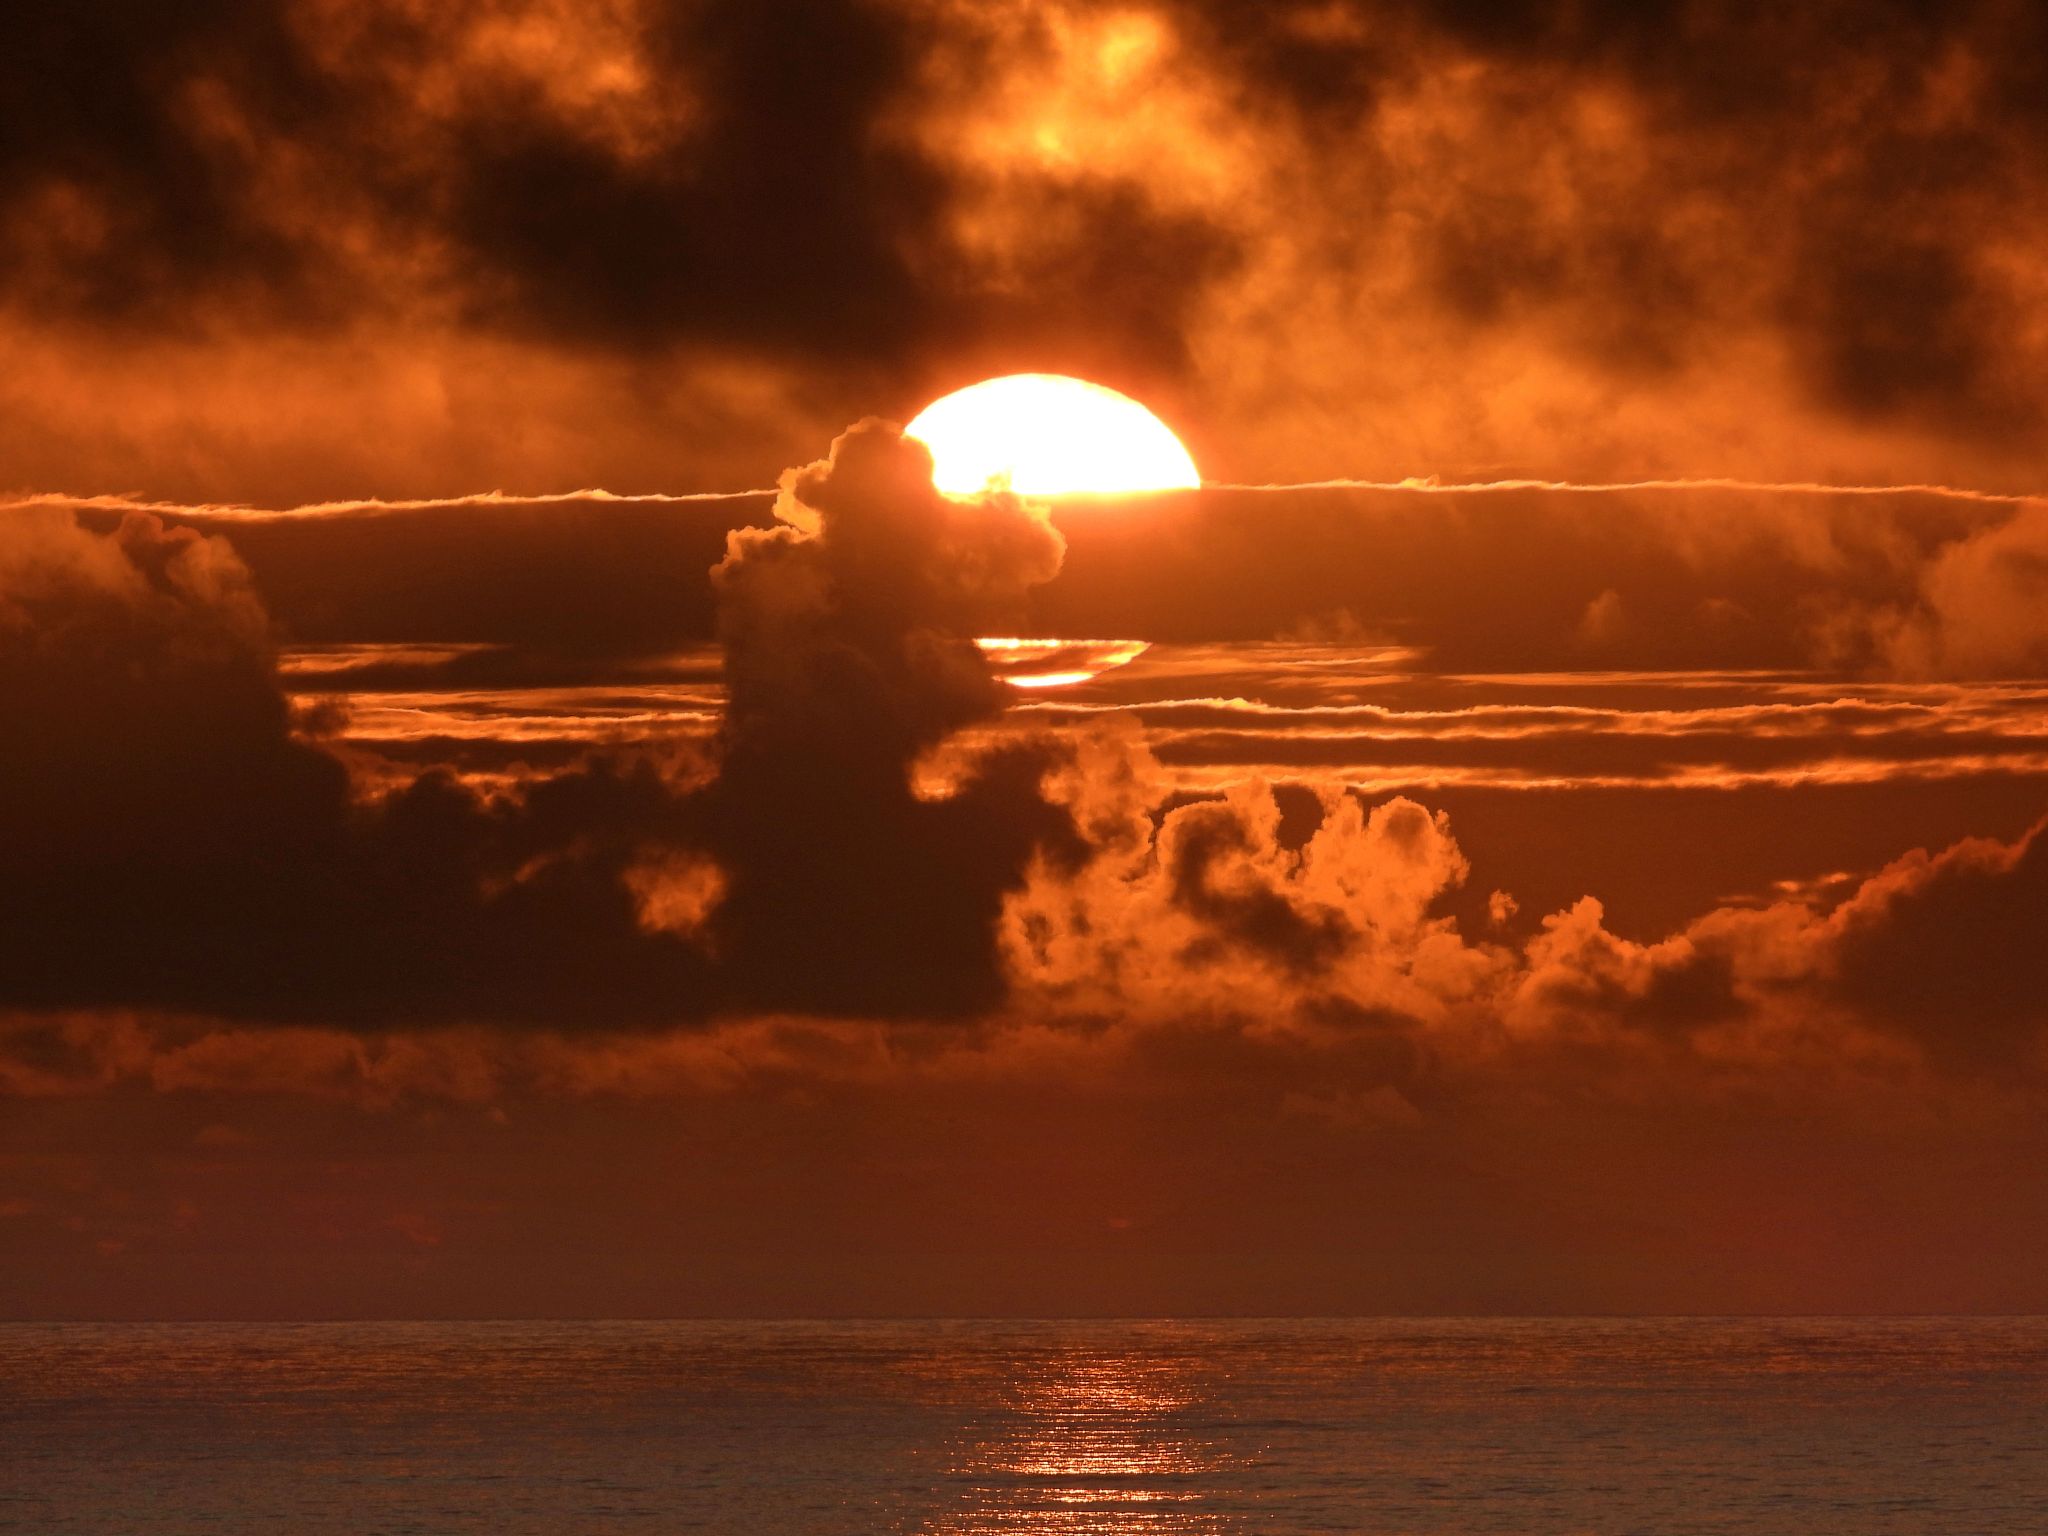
x=1096, y=1441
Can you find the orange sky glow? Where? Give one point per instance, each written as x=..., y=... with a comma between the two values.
x=521, y=795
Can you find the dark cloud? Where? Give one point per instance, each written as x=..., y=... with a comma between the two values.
x=171, y=841
x=567, y=577
x=153, y=787
x=1843, y=196
x=1912, y=584
x=1980, y=608
x=773, y=190
x=1323, y=61
x=779, y=220
x=640, y=176
x=849, y=653
x=1583, y=976
x=1949, y=949
x=1214, y=909
x=881, y=199
x=1900, y=326
x=1725, y=578
x=1659, y=857
x=104, y=153
x=316, y=248
x=1224, y=871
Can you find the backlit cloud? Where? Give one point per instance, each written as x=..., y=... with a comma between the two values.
x=1377, y=237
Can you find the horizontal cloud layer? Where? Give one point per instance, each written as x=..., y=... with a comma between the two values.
x=1907, y=584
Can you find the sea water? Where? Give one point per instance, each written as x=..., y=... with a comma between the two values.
x=798, y=1429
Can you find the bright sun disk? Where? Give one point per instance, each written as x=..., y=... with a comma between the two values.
x=1044, y=434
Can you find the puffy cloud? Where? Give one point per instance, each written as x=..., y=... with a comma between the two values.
x=1241, y=906
x=1935, y=950
x=858, y=836
x=1305, y=910
x=1947, y=948
x=849, y=644
x=1579, y=976
x=155, y=799
x=171, y=838
x=1980, y=607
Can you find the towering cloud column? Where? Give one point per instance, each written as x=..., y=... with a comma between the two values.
x=849, y=649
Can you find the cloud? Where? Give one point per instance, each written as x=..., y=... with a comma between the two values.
x=173, y=838
x=153, y=789
x=602, y=176
x=1909, y=582
x=1933, y=949
x=1377, y=237
x=1737, y=577
x=849, y=644
x=1979, y=610
x=1332, y=916
x=1946, y=949
x=1248, y=904
x=199, y=897
x=1415, y=278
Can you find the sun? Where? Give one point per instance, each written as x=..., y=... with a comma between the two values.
x=1044, y=434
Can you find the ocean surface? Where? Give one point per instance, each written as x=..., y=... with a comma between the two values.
x=1910, y=1426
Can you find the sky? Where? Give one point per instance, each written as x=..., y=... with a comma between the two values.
x=505, y=812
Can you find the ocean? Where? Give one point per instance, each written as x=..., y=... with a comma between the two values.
x=1912, y=1426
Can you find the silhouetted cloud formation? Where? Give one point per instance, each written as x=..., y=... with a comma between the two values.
x=172, y=841
x=849, y=652
x=843, y=844
x=1948, y=949
x=1126, y=993
x=1911, y=583
x=1307, y=962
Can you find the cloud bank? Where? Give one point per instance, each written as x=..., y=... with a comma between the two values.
x=898, y=987
x=542, y=245
x=177, y=839
x=851, y=840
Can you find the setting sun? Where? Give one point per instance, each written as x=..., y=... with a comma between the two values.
x=1044, y=434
